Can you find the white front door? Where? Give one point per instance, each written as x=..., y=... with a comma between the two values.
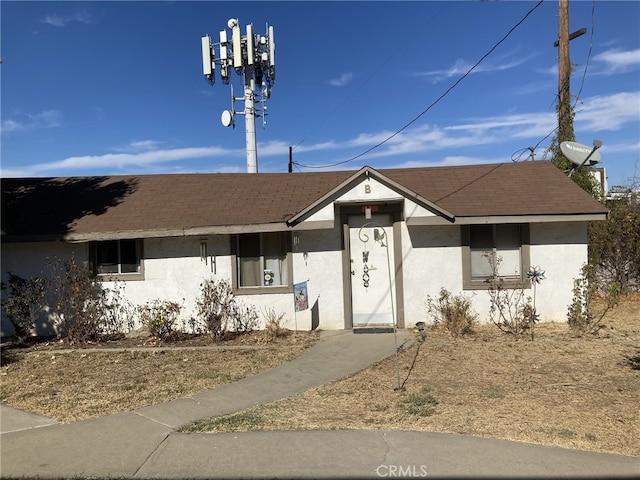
x=371, y=254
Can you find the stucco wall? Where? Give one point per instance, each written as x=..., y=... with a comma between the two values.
x=560, y=249
x=174, y=270
x=432, y=259
x=35, y=259
x=318, y=260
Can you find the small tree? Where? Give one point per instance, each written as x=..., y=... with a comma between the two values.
x=614, y=244
x=592, y=299
x=24, y=300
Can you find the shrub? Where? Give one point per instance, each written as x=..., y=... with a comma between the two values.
x=220, y=312
x=592, y=299
x=614, y=244
x=118, y=314
x=511, y=310
x=245, y=319
x=83, y=307
x=23, y=302
x=273, y=324
x=78, y=301
x=160, y=317
x=452, y=312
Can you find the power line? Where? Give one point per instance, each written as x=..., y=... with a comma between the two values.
x=380, y=67
x=455, y=84
x=584, y=73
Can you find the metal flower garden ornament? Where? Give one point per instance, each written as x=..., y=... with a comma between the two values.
x=536, y=275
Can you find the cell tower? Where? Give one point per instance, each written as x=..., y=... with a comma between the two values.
x=252, y=56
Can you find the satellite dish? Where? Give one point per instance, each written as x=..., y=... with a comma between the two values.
x=227, y=118
x=577, y=153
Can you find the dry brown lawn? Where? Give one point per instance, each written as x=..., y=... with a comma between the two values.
x=560, y=389
x=574, y=392
x=69, y=384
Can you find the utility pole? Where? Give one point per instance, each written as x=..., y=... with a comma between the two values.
x=253, y=57
x=565, y=118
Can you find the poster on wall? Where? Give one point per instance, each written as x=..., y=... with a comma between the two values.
x=300, y=296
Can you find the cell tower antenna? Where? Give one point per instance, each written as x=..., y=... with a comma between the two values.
x=251, y=56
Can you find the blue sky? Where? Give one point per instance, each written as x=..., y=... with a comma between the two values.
x=109, y=88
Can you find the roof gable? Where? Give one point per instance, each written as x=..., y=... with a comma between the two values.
x=357, y=178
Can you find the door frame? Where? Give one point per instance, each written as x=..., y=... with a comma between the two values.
x=395, y=209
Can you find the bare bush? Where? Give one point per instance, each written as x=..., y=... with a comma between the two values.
x=453, y=312
x=511, y=310
x=273, y=324
x=160, y=317
x=77, y=303
x=220, y=312
x=83, y=307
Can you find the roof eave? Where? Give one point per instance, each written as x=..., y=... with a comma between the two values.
x=496, y=219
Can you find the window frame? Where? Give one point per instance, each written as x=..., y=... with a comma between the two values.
x=123, y=276
x=261, y=289
x=510, y=281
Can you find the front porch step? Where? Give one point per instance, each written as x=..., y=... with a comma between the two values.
x=373, y=329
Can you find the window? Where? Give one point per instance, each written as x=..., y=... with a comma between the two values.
x=262, y=260
x=488, y=250
x=118, y=258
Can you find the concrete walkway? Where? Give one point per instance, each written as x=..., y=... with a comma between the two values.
x=144, y=443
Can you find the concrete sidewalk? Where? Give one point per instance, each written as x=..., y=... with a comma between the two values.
x=144, y=443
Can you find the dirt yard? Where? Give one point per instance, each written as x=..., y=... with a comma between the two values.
x=560, y=389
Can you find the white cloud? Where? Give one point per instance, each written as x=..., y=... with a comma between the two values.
x=62, y=20
x=11, y=126
x=598, y=113
x=139, y=146
x=609, y=112
x=342, y=80
x=618, y=61
x=461, y=67
x=117, y=160
x=29, y=121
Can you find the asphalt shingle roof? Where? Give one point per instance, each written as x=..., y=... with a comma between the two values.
x=55, y=207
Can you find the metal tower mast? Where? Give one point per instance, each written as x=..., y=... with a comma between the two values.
x=253, y=57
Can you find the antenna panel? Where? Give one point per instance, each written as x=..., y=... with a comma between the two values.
x=272, y=49
x=250, y=47
x=237, y=47
x=207, y=57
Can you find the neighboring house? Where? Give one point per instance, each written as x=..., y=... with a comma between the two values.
x=163, y=234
